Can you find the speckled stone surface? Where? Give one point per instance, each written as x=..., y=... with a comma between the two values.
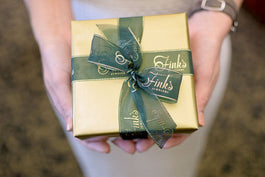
x=32, y=143
x=236, y=146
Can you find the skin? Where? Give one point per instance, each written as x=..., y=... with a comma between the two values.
x=51, y=27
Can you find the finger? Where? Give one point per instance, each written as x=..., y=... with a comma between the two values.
x=57, y=79
x=62, y=108
x=203, y=94
x=175, y=140
x=99, y=146
x=206, y=71
x=60, y=95
x=98, y=138
x=126, y=145
x=144, y=144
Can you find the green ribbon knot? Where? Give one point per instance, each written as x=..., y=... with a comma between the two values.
x=142, y=91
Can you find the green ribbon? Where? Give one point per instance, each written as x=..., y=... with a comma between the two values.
x=118, y=55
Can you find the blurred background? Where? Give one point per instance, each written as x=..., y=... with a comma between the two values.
x=32, y=142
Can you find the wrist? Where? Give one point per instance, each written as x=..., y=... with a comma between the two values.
x=52, y=41
x=213, y=24
x=228, y=7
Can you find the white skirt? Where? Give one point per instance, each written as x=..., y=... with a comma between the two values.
x=179, y=161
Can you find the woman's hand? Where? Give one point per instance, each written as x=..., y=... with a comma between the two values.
x=50, y=20
x=207, y=32
x=56, y=63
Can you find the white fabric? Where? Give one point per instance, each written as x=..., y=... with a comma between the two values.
x=99, y=9
x=179, y=161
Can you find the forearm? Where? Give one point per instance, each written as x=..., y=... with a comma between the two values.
x=50, y=20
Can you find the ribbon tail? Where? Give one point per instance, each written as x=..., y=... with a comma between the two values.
x=130, y=124
x=155, y=118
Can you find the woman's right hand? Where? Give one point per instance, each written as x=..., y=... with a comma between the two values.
x=56, y=63
x=50, y=20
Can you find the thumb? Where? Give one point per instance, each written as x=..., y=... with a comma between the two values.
x=60, y=96
x=69, y=125
x=203, y=94
x=201, y=118
x=57, y=78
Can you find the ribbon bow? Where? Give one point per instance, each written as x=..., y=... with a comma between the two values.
x=121, y=52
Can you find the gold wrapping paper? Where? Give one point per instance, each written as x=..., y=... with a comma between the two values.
x=95, y=103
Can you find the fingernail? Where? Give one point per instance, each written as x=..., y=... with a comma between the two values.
x=68, y=128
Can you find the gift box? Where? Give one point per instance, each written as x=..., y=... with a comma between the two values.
x=104, y=100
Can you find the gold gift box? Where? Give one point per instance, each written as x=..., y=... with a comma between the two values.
x=95, y=102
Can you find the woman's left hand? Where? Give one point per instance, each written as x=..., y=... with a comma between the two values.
x=207, y=32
